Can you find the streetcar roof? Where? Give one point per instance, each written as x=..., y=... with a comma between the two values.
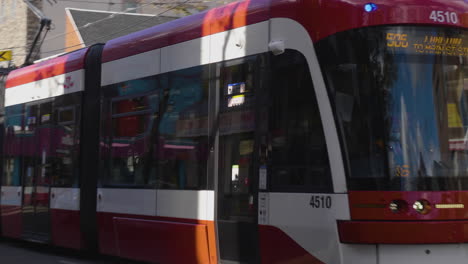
x=319, y=18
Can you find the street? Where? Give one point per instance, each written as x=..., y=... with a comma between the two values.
x=13, y=252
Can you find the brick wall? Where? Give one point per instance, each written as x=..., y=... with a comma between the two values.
x=17, y=24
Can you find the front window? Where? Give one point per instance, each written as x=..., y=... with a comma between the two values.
x=401, y=101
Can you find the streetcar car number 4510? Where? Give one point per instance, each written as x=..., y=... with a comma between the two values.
x=321, y=201
x=444, y=17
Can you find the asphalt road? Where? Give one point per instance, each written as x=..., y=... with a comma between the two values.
x=16, y=252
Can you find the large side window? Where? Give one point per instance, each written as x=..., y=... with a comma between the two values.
x=129, y=142
x=14, y=129
x=41, y=138
x=155, y=131
x=298, y=158
x=37, y=142
x=183, y=130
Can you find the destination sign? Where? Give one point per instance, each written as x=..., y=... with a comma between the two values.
x=427, y=43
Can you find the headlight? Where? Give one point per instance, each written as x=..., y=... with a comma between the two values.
x=422, y=206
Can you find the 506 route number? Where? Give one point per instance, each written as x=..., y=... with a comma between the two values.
x=321, y=201
x=444, y=17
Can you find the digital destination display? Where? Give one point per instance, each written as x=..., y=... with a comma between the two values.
x=236, y=94
x=427, y=43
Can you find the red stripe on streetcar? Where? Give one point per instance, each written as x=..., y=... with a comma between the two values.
x=277, y=247
x=375, y=205
x=65, y=231
x=12, y=221
x=414, y=232
x=46, y=69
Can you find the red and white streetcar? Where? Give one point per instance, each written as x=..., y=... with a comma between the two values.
x=263, y=131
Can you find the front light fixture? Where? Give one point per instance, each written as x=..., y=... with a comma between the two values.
x=422, y=206
x=398, y=206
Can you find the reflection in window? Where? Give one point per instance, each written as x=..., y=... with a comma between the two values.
x=41, y=142
x=155, y=131
x=184, y=131
x=31, y=120
x=237, y=138
x=402, y=112
x=66, y=137
x=38, y=157
x=46, y=113
x=12, y=145
x=132, y=122
x=66, y=115
x=130, y=115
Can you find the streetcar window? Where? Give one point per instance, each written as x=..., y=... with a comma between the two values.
x=12, y=145
x=45, y=110
x=298, y=157
x=132, y=105
x=37, y=157
x=41, y=142
x=31, y=121
x=44, y=157
x=66, y=133
x=237, y=136
x=401, y=106
x=132, y=122
x=183, y=131
x=67, y=115
x=130, y=115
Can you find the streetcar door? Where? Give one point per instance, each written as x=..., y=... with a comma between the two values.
x=36, y=147
x=237, y=166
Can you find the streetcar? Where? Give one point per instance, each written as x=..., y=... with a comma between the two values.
x=262, y=131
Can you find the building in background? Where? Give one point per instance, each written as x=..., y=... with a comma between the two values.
x=93, y=20
x=87, y=27
x=58, y=40
x=18, y=26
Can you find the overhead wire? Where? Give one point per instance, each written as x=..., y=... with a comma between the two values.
x=127, y=11
x=121, y=30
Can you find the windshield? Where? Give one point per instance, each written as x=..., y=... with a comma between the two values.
x=401, y=103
